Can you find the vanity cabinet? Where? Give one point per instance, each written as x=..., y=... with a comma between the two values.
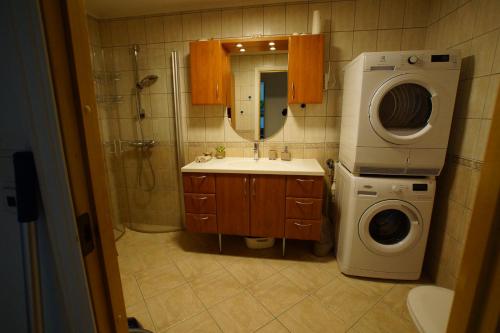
x=233, y=204
x=254, y=205
x=209, y=73
x=305, y=69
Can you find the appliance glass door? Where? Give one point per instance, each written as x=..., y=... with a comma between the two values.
x=390, y=227
x=403, y=108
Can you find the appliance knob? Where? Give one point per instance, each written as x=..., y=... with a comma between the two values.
x=412, y=60
x=396, y=188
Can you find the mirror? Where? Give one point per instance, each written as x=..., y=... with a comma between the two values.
x=260, y=95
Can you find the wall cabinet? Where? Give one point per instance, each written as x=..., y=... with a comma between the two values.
x=209, y=73
x=254, y=205
x=305, y=69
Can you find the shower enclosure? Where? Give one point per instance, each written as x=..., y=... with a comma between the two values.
x=139, y=117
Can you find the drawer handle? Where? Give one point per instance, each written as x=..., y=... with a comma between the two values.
x=199, y=177
x=245, y=186
x=305, y=180
x=302, y=225
x=303, y=203
x=202, y=218
x=202, y=198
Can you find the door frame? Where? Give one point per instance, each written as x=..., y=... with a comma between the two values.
x=46, y=144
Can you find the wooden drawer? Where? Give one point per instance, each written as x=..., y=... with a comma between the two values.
x=304, y=187
x=303, y=229
x=201, y=223
x=200, y=203
x=303, y=208
x=198, y=183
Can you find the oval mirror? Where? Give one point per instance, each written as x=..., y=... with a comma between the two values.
x=260, y=96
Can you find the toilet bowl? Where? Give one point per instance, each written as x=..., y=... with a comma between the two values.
x=430, y=307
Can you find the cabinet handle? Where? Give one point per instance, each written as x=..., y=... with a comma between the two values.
x=253, y=187
x=305, y=180
x=202, y=218
x=302, y=225
x=202, y=198
x=245, y=186
x=293, y=91
x=217, y=91
x=303, y=203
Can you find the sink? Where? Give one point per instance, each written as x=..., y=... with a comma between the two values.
x=258, y=164
x=304, y=167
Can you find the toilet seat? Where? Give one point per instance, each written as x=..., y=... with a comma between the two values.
x=430, y=307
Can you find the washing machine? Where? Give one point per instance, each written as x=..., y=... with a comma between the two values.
x=397, y=111
x=382, y=224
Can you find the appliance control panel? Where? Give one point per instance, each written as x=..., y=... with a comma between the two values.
x=398, y=188
x=412, y=60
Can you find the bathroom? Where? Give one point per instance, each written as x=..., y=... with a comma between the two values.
x=152, y=120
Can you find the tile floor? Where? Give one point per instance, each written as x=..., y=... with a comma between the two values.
x=178, y=282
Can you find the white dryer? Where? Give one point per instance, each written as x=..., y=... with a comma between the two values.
x=397, y=111
x=382, y=224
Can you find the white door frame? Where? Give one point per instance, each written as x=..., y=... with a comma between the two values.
x=258, y=71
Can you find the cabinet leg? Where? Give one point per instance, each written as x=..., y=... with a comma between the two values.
x=283, y=246
x=220, y=243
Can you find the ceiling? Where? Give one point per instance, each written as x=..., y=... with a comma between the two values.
x=126, y=8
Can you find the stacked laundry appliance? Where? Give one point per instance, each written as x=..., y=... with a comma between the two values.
x=396, y=117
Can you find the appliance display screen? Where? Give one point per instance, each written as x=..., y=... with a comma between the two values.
x=440, y=58
x=419, y=187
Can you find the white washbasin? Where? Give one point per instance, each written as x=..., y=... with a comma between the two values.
x=303, y=167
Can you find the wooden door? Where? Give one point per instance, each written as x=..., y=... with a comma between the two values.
x=69, y=55
x=208, y=70
x=305, y=69
x=267, y=205
x=232, y=193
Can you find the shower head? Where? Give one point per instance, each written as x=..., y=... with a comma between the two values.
x=146, y=81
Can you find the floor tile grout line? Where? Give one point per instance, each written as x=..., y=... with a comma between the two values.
x=145, y=304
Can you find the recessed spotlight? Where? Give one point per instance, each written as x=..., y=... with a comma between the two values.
x=242, y=50
x=271, y=44
x=239, y=45
x=272, y=48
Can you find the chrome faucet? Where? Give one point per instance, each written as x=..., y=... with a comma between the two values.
x=256, y=151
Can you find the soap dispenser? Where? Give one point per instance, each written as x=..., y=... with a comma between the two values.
x=286, y=155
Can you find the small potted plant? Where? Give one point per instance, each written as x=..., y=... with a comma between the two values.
x=220, y=152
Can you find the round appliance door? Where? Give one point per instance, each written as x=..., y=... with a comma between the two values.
x=390, y=227
x=404, y=108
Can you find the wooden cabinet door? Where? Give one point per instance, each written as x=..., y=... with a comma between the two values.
x=305, y=69
x=232, y=204
x=209, y=66
x=267, y=205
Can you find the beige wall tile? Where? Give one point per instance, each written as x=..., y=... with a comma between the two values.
x=274, y=20
x=214, y=129
x=294, y=129
x=364, y=41
x=482, y=139
x=211, y=25
x=334, y=104
x=341, y=45
x=487, y=16
x=367, y=14
x=333, y=129
x=232, y=23
x=315, y=129
x=343, y=15
x=391, y=14
x=413, y=39
x=389, y=40
x=119, y=33
x=191, y=26
x=196, y=129
x=253, y=21
x=484, y=53
x=417, y=13
x=296, y=18
x=172, y=25
x=154, y=30
x=136, y=31
x=491, y=96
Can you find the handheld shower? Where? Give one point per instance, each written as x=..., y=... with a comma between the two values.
x=146, y=81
